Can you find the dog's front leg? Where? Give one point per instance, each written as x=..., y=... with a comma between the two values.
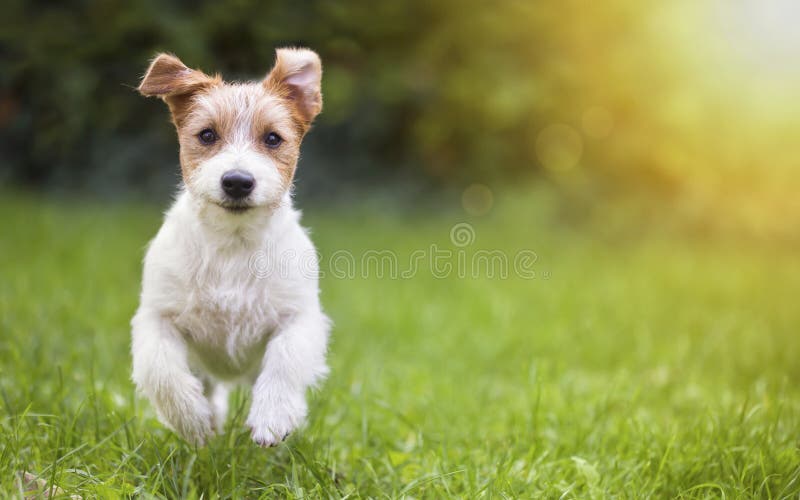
x=293, y=361
x=161, y=372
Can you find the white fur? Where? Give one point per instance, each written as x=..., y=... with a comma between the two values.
x=209, y=318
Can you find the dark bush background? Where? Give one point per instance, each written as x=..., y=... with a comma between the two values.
x=393, y=106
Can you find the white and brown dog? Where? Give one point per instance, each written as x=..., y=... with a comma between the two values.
x=207, y=319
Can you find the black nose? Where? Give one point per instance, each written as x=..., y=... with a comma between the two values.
x=238, y=184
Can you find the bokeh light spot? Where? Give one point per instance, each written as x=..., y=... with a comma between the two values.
x=477, y=199
x=559, y=147
x=597, y=122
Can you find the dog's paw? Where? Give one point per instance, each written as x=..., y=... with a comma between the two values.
x=270, y=424
x=196, y=430
x=187, y=412
x=266, y=438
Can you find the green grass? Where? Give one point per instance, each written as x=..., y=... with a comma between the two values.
x=630, y=367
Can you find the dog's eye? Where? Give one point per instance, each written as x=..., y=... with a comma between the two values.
x=207, y=136
x=272, y=140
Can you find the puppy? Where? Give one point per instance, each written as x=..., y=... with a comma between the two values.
x=207, y=317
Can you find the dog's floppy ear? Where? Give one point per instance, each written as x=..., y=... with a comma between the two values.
x=167, y=76
x=297, y=74
x=170, y=79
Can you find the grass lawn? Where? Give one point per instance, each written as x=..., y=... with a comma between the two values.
x=628, y=367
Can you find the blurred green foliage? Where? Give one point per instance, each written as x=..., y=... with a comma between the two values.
x=431, y=87
x=455, y=91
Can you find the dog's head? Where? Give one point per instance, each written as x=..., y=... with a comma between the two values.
x=239, y=142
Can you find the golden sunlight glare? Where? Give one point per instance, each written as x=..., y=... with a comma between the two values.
x=764, y=32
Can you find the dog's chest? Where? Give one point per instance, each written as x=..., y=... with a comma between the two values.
x=228, y=316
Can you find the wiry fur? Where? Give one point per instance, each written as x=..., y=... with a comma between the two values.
x=208, y=319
